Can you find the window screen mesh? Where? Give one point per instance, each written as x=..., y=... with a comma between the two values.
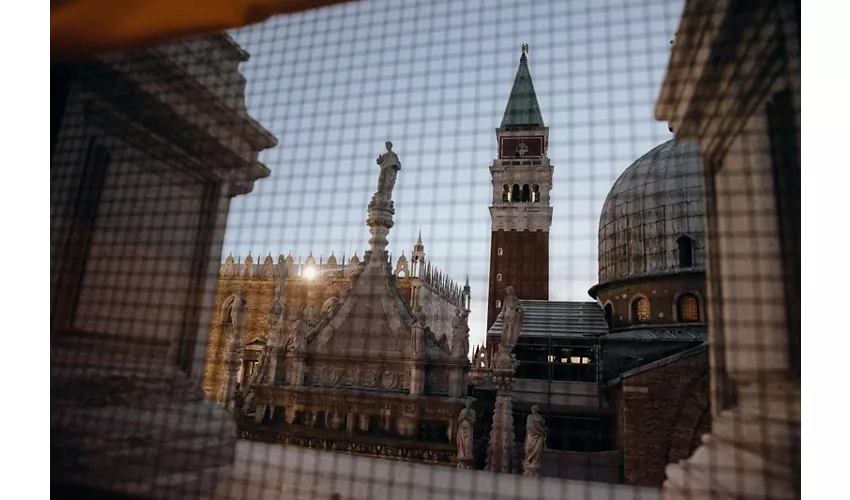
x=429, y=249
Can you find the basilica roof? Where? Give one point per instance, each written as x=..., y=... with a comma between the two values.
x=656, y=201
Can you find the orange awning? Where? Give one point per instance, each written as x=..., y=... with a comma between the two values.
x=81, y=28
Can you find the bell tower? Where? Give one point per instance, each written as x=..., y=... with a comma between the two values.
x=520, y=213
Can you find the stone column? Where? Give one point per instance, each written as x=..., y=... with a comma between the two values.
x=754, y=446
x=753, y=450
x=350, y=421
x=500, y=449
x=417, y=378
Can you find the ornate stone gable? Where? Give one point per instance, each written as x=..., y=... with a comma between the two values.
x=368, y=322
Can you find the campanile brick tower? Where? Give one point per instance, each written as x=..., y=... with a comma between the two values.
x=521, y=214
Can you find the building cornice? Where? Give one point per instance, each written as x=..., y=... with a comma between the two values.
x=644, y=277
x=520, y=217
x=699, y=97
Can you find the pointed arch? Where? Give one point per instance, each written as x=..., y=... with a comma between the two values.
x=226, y=307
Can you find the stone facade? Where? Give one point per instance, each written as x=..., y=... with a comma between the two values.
x=747, y=123
x=440, y=298
x=368, y=373
x=150, y=151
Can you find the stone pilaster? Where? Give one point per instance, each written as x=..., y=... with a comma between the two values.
x=753, y=450
x=417, y=378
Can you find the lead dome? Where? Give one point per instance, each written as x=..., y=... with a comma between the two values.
x=654, y=213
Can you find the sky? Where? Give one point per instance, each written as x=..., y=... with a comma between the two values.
x=434, y=77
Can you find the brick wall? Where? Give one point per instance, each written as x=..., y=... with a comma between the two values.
x=661, y=292
x=661, y=413
x=524, y=264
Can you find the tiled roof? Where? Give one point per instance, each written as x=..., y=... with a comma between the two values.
x=544, y=318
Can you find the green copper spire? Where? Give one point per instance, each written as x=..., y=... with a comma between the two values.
x=523, y=109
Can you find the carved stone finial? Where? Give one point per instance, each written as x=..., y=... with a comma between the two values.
x=524, y=48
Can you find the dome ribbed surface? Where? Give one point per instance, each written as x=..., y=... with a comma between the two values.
x=654, y=202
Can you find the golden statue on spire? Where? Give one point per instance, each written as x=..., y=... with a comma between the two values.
x=524, y=48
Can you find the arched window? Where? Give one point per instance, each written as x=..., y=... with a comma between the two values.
x=609, y=314
x=498, y=304
x=499, y=277
x=535, y=193
x=506, y=193
x=515, y=196
x=526, y=193
x=686, y=251
x=499, y=251
x=688, y=308
x=640, y=310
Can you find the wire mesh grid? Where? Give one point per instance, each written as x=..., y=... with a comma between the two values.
x=424, y=249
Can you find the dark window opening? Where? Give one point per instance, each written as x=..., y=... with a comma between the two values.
x=515, y=196
x=686, y=251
